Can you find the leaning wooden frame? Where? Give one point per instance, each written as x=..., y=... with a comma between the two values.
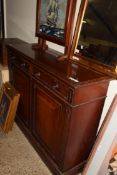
x=9, y=99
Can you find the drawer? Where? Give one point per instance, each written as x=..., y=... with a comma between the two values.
x=23, y=64
x=53, y=83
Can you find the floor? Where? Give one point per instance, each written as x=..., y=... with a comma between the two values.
x=17, y=156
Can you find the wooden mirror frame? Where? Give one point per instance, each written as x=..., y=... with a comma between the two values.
x=78, y=26
x=68, y=28
x=82, y=59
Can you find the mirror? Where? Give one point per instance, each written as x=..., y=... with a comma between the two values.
x=97, y=30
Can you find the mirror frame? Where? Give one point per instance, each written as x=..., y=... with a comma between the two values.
x=68, y=28
x=87, y=61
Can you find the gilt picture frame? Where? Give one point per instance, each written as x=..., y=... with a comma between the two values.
x=9, y=99
x=54, y=21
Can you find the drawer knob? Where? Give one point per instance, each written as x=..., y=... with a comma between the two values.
x=38, y=74
x=23, y=64
x=55, y=86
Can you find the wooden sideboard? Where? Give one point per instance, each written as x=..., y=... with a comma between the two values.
x=60, y=105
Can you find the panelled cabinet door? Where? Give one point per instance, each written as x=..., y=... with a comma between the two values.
x=21, y=82
x=48, y=121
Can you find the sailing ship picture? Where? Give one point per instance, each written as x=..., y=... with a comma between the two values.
x=52, y=20
x=52, y=15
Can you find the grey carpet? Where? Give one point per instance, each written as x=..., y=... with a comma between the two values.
x=17, y=156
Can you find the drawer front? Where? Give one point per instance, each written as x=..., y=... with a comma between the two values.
x=53, y=83
x=21, y=63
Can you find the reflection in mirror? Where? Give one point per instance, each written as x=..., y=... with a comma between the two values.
x=98, y=36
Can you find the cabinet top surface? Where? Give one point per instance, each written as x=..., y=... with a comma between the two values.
x=68, y=70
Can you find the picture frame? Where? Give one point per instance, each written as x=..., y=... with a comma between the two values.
x=9, y=99
x=54, y=20
x=106, y=141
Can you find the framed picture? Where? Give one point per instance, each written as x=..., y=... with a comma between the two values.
x=106, y=142
x=55, y=20
x=9, y=99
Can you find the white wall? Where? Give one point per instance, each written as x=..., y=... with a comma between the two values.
x=20, y=21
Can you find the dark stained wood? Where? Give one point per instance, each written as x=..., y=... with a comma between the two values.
x=82, y=129
x=3, y=49
x=52, y=82
x=40, y=45
x=21, y=82
x=48, y=121
x=60, y=114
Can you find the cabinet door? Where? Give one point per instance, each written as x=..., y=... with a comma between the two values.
x=48, y=121
x=21, y=82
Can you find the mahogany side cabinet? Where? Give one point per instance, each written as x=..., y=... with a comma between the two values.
x=60, y=105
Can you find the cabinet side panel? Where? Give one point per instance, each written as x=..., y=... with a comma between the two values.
x=90, y=91
x=82, y=132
